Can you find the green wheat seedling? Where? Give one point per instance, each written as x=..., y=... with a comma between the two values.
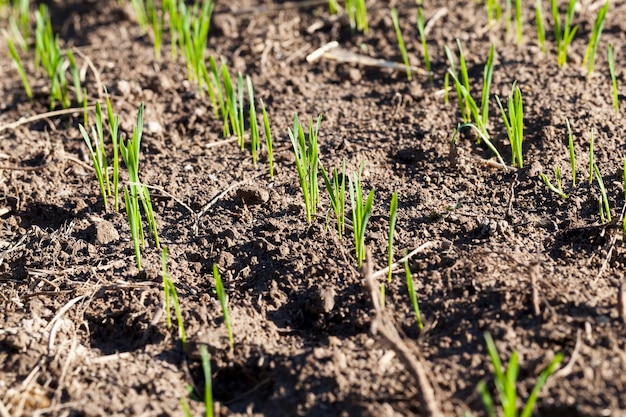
x=50, y=57
x=565, y=36
x=234, y=106
x=307, y=162
x=48, y=54
x=361, y=212
x=19, y=19
x=171, y=298
x=541, y=32
x=505, y=380
x=572, y=154
x=255, y=139
x=133, y=215
x=558, y=189
x=357, y=14
x=422, y=33
x=514, y=124
x=393, y=216
x=218, y=97
x=333, y=6
x=223, y=299
x=605, y=210
x=149, y=16
x=452, y=71
x=591, y=161
x=412, y=294
x=613, y=78
x=241, y=124
x=75, y=76
x=336, y=187
x=401, y=45
x=624, y=187
x=95, y=144
x=592, y=46
x=268, y=140
x=518, y=20
x=193, y=29
x=130, y=151
x=494, y=11
x=208, y=381
x=139, y=7
x=470, y=110
x=114, y=131
x=18, y=63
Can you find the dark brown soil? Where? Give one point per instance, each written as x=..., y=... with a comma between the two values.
x=82, y=333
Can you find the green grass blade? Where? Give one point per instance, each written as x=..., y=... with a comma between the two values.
x=401, y=45
x=572, y=155
x=611, y=61
x=268, y=140
x=543, y=377
x=19, y=66
x=487, y=76
x=208, y=380
x=393, y=211
x=223, y=299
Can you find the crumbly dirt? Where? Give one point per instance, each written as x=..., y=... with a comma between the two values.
x=82, y=333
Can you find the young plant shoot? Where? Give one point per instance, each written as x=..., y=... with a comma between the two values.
x=613, y=78
x=572, y=154
x=393, y=212
x=401, y=45
x=422, y=33
x=255, y=139
x=541, y=32
x=514, y=124
x=18, y=64
x=361, y=212
x=98, y=155
x=357, y=14
x=558, y=189
x=591, y=161
x=223, y=299
x=605, y=209
x=412, y=294
x=171, y=297
x=336, y=187
x=208, y=381
x=307, y=162
x=469, y=108
x=268, y=141
x=518, y=21
x=592, y=46
x=505, y=380
x=565, y=36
